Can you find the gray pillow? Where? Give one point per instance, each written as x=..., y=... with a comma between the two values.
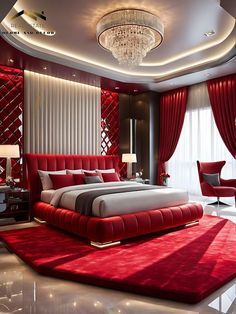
x=92, y=179
x=212, y=178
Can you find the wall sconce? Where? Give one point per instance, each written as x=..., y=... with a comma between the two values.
x=8, y=152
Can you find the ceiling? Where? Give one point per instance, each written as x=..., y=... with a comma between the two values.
x=185, y=57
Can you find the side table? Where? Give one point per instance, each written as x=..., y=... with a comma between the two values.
x=14, y=205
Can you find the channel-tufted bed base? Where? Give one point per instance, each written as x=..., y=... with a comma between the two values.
x=102, y=231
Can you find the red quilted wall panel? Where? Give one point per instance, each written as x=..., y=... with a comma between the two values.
x=11, y=108
x=110, y=127
x=110, y=122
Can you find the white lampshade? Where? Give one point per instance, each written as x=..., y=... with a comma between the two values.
x=130, y=158
x=9, y=151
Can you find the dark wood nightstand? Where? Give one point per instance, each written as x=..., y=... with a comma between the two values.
x=14, y=205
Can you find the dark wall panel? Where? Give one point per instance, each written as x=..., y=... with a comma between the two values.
x=143, y=110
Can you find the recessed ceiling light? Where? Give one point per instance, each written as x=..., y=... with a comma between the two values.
x=11, y=60
x=74, y=75
x=135, y=90
x=117, y=87
x=210, y=33
x=45, y=68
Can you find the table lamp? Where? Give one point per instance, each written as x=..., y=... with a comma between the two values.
x=129, y=158
x=8, y=152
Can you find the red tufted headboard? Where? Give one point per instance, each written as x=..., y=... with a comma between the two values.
x=35, y=162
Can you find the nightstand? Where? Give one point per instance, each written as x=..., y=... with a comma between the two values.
x=14, y=205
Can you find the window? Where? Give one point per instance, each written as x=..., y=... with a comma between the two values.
x=199, y=140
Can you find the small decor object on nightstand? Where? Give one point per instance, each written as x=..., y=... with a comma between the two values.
x=10, y=182
x=164, y=177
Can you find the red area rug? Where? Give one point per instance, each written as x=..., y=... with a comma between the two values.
x=183, y=265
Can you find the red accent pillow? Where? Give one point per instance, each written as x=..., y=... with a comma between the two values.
x=61, y=180
x=110, y=177
x=90, y=174
x=79, y=178
x=93, y=174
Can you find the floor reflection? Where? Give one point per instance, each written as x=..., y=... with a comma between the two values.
x=225, y=302
x=22, y=290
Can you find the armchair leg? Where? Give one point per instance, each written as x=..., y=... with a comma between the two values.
x=218, y=203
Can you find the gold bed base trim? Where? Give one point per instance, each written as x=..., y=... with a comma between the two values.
x=39, y=220
x=193, y=223
x=104, y=245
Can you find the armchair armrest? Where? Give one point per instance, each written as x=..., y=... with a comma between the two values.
x=207, y=189
x=230, y=182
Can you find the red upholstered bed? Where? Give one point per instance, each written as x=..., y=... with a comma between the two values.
x=96, y=229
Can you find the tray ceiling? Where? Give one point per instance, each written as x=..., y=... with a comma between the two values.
x=185, y=49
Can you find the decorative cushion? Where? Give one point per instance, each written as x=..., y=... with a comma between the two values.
x=92, y=179
x=61, y=180
x=74, y=171
x=79, y=178
x=45, y=179
x=93, y=174
x=110, y=177
x=212, y=178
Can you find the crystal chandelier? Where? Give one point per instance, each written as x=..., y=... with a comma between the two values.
x=130, y=34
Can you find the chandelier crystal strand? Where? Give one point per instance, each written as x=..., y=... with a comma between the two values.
x=130, y=35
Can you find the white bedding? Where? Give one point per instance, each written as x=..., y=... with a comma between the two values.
x=120, y=203
x=47, y=195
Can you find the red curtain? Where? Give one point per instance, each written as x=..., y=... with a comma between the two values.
x=172, y=112
x=222, y=93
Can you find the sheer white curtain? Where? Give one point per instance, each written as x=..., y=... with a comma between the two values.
x=199, y=140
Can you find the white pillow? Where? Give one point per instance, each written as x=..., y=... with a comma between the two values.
x=45, y=179
x=106, y=170
x=74, y=171
x=89, y=171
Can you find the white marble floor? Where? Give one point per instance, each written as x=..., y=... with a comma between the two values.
x=24, y=291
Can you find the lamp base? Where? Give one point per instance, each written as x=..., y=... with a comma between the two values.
x=8, y=167
x=129, y=170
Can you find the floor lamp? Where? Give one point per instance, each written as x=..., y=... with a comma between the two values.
x=130, y=157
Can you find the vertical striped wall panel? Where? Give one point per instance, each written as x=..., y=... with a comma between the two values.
x=61, y=117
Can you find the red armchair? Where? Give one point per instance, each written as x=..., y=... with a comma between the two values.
x=227, y=188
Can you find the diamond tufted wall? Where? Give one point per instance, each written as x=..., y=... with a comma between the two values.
x=110, y=127
x=11, y=108
x=110, y=123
